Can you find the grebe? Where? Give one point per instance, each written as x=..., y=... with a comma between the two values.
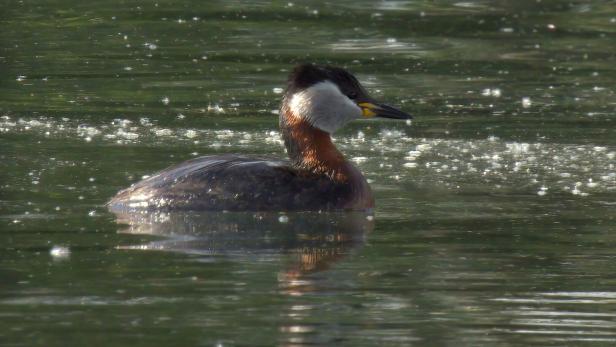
x=318, y=100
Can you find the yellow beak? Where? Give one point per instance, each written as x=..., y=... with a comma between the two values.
x=369, y=109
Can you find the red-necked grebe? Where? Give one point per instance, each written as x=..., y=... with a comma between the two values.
x=318, y=101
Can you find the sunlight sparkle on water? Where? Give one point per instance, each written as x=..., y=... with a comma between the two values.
x=60, y=252
x=524, y=166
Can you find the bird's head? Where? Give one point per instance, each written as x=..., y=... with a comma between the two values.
x=329, y=97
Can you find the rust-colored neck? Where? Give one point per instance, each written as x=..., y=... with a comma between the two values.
x=312, y=149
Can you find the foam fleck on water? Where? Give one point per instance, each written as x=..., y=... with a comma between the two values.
x=191, y=133
x=494, y=92
x=163, y=132
x=215, y=109
x=129, y=135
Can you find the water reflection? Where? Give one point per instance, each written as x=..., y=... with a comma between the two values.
x=309, y=241
x=303, y=244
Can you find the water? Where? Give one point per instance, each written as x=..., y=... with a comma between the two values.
x=495, y=208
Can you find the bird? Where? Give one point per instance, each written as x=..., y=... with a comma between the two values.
x=318, y=100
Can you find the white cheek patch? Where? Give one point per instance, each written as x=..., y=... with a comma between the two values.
x=324, y=106
x=300, y=103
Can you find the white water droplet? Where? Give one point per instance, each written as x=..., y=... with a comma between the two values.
x=60, y=252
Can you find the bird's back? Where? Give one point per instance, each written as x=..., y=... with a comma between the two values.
x=237, y=183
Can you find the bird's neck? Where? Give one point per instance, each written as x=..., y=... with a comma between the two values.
x=312, y=149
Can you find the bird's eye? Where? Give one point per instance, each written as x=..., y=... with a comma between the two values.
x=352, y=95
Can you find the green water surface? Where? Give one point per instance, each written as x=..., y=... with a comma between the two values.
x=495, y=220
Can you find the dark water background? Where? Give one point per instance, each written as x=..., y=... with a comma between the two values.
x=495, y=220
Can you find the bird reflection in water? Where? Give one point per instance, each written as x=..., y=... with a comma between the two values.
x=305, y=244
x=307, y=241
